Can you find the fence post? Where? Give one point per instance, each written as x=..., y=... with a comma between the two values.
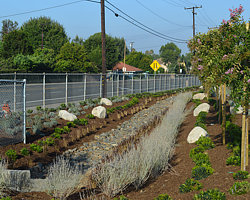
x=118, y=84
x=123, y=83
x=101, y=85
x=66, y=88
x=44, y=87
x=14, y=91
x=147, y=82
x=140, y=84
x=132, y=87
x=112, y=83
x=154, y=83
x=24, y=111
x=84, y=86
x=160, y=82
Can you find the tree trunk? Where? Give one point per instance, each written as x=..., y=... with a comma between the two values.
x=224, y=115
x=220, y=103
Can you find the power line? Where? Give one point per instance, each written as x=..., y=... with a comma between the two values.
x=159, y=15
x=173, y=3
x=145, y=27
x=48, y=8
x=138, y=26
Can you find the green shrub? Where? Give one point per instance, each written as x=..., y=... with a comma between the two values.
x=71, y=124
x=24, y=152
x=29, y=111
x=121, y=198
x=6, y=198
x=38, y=108
x=202, y=171
x=80, y=121
x=205, y=142
x=59, y=130
x=213, y=194
x=90, y=116
x=50, y=141
x=200, y=159
x=163, y=197
x=11, y=154
x=239, y=188
x=234, y=133
x=197, y=102
x=211, y=101
x=190, y=185
x=62, y=106
x=194, y=151
x=66, y=129
x=233, y=160
x=52, y=110
x=236, y=151
x=241, y=175
x=56, y=135
x=35, y=147
x=202, y=125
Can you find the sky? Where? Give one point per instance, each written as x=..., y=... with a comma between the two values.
x=165, y=18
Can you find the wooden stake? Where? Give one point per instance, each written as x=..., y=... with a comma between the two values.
x=224, y=115
x=243, y=141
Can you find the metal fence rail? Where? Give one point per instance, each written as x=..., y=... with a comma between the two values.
x=12, y=111
x=47, y=89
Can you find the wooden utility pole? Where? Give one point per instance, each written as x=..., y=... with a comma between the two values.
x=124, y=53
x=104, y=91
x=194, y=13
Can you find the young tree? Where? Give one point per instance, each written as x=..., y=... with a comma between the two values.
x=170, y=53
x=8, y=26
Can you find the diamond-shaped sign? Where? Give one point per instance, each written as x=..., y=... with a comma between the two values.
x=155, y=65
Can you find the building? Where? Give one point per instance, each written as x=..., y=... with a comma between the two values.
x=125, y=68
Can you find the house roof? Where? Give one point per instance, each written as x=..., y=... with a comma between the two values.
x=119, y=66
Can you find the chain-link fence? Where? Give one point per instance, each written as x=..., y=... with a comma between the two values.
x=12, y=111
x=52, y=89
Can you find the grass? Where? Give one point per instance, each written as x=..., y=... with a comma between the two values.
x=148, y=158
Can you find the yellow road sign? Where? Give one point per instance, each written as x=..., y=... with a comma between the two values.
x=155, y=65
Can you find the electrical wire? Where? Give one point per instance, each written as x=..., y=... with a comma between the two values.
x=173, y=3
x=48, y=8
x=152, y=31
x=138, y=26
x=154, y=13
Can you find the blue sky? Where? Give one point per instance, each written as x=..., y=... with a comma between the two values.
x=164, y=16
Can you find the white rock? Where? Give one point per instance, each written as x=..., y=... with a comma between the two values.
x=195, y=134
x=66, y=115
x=99, y=112
x=200, y=96
x=201, y=87
x=106, y=102
x=233, y=110
x=202, y=107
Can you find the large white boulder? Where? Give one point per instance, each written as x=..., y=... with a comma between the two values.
x=106, y=102
x=202, y=107
x=66, y=115
x=200, y=96
x=99, y=112
x=195, y=134
x=233, y=110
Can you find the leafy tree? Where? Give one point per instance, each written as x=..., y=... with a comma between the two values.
x=73, y=58
x=23, y=62
x=54, y=36
x=8, y=26
x=152, y=54
x=114, y=50
x=78, y=40
x=140, y=60
x=170, y=53
x=15, y=42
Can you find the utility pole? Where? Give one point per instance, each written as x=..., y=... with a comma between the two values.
x=104, y=81
x=124, y=53
x=194, y=13
x=131, y=46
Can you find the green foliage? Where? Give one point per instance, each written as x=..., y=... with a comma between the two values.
x=38, y=108
x=115, y=47
x=35, y=147
x=201, y=117
x=237, y=151
x=140, y=60
x=12, y=155
x=71, y=124
x=190, y=185
x=239, y=188
x=197, y=102
x=81, y=121
x=63, y=106
x=234, y=133
x=54, y=36
x=200, y=159
x=59, y=130
x=73, y=58
x=241, y=175
x=211, y=101
x=6, y=198
x=202, y=171
x=163, y=197
x=121, y=198
x=170, y=53
x=205, y=142
x=202, y=125
x=66, y=129
x=213, y=194
x=29, y=111
x=24, y=151
x=233, y=160
x=90, y=116
x=196, y=150
x=56, y=135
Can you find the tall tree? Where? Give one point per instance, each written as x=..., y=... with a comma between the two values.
x=170, y=53
x=114, y=50
x=8, y=26
x=45, y=31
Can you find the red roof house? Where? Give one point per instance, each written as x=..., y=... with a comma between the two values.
x=127, y=68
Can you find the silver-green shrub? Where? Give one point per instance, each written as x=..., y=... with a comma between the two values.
x=148, y=158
